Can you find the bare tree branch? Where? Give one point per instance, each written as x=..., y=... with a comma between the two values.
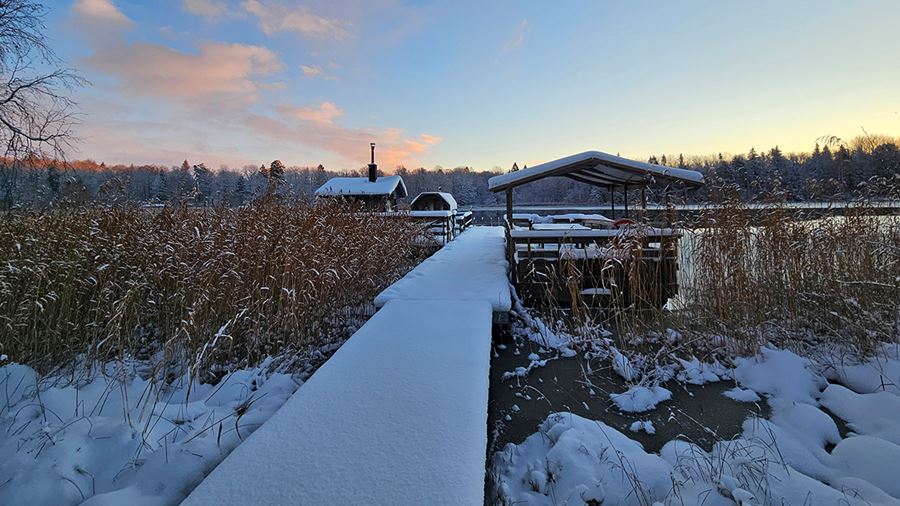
x=36, y=115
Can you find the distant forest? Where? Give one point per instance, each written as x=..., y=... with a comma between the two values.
x=864, y=166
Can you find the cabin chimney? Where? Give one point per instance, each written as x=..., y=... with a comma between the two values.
x=373, y=169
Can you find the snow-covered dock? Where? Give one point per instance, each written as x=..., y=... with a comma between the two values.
x=472, y=267
x=397, y=416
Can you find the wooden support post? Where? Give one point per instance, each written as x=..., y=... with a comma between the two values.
x=509, y=206
x=669, y=217
x=643, y=203
x=670, y=223
x=612, y=203
x=510, y=245
x=626, y=200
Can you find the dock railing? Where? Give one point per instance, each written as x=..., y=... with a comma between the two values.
x=606, y=260
x=463, y=220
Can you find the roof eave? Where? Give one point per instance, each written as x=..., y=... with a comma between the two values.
x=587, y=167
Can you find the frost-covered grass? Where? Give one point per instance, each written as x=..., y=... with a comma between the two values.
x=138, y=348
x=749, y=278
x=198, y=287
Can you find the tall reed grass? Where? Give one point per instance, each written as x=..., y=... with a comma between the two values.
x=759, y=277
x=749, y=276
x=191, y=287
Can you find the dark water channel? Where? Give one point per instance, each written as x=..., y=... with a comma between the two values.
x=700, y=414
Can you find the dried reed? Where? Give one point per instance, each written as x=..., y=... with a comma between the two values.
x=773, y=276
x=191, y=287
x=749, y=276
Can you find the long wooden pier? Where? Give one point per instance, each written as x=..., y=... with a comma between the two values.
x=399, y=414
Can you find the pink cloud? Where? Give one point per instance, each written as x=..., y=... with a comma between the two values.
x=317, y=72
x=325, y=112
x=275, y=17
x=394, y=146
x=101, y=10
x=430, y=139
x=311, y=70
x=100, y=21
x=206, y=105
x=350, y=145
x=218, y=69
x=211, y=10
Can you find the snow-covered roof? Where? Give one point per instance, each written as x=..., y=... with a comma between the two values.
x=579, y=217
x=448, y=198
x=430, y=214
x=597, y=168
x=384, y=185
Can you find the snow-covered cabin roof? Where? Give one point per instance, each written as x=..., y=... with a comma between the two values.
x=597, y=168
x=448, y=198
x=349, y=186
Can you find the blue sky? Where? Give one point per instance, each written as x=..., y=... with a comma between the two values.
x=481, y=84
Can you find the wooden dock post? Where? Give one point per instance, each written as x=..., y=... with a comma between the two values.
x=510, y=245
x=612, y=203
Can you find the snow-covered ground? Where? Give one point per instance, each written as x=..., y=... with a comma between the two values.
x=118, y=439
x=798, y=455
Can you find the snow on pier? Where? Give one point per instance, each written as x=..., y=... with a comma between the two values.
x=472, y=267
x=399, y=414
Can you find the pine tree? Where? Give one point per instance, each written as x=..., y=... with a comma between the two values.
x=182, y=184
x=159, y=188
x=848, y=177
x=53, y=180
x=202, y=184
x=241, y=192
x=515, y=167
x=276, y=171
x=275, y=177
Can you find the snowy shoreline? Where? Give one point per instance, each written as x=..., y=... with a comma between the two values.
x=796, y=455
x=119, y=439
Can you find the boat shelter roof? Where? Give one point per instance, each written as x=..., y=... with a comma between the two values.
x=600, y=169
x=446, y=197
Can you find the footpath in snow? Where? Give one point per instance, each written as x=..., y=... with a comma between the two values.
x=397, y=416
x=471, y=267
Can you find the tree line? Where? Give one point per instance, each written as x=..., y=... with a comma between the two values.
x=37, y=119
x=867, y=165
